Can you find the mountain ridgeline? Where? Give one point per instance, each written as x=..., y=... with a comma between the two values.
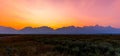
x=64, y=30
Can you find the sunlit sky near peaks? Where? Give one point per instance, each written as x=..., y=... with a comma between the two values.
x=59, y=13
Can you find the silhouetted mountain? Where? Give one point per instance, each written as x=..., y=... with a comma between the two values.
x=38, y=30
x=68, y=30
x=7, y=30
x=64, y=30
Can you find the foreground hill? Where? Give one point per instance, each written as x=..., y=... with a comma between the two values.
x=64, y=30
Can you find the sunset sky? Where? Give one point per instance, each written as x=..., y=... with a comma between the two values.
x=59, y=13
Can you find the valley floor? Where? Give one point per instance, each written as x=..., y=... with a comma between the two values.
x=59, y=45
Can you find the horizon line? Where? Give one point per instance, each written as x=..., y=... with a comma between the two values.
x=59, y=27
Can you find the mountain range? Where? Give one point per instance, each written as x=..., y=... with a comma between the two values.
x=64, y=30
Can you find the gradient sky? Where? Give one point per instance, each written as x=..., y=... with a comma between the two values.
x=59, y=13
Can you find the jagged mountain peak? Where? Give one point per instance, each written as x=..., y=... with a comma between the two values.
x=97, y=29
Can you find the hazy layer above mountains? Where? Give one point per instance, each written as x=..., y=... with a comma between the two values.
x=64, y=30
